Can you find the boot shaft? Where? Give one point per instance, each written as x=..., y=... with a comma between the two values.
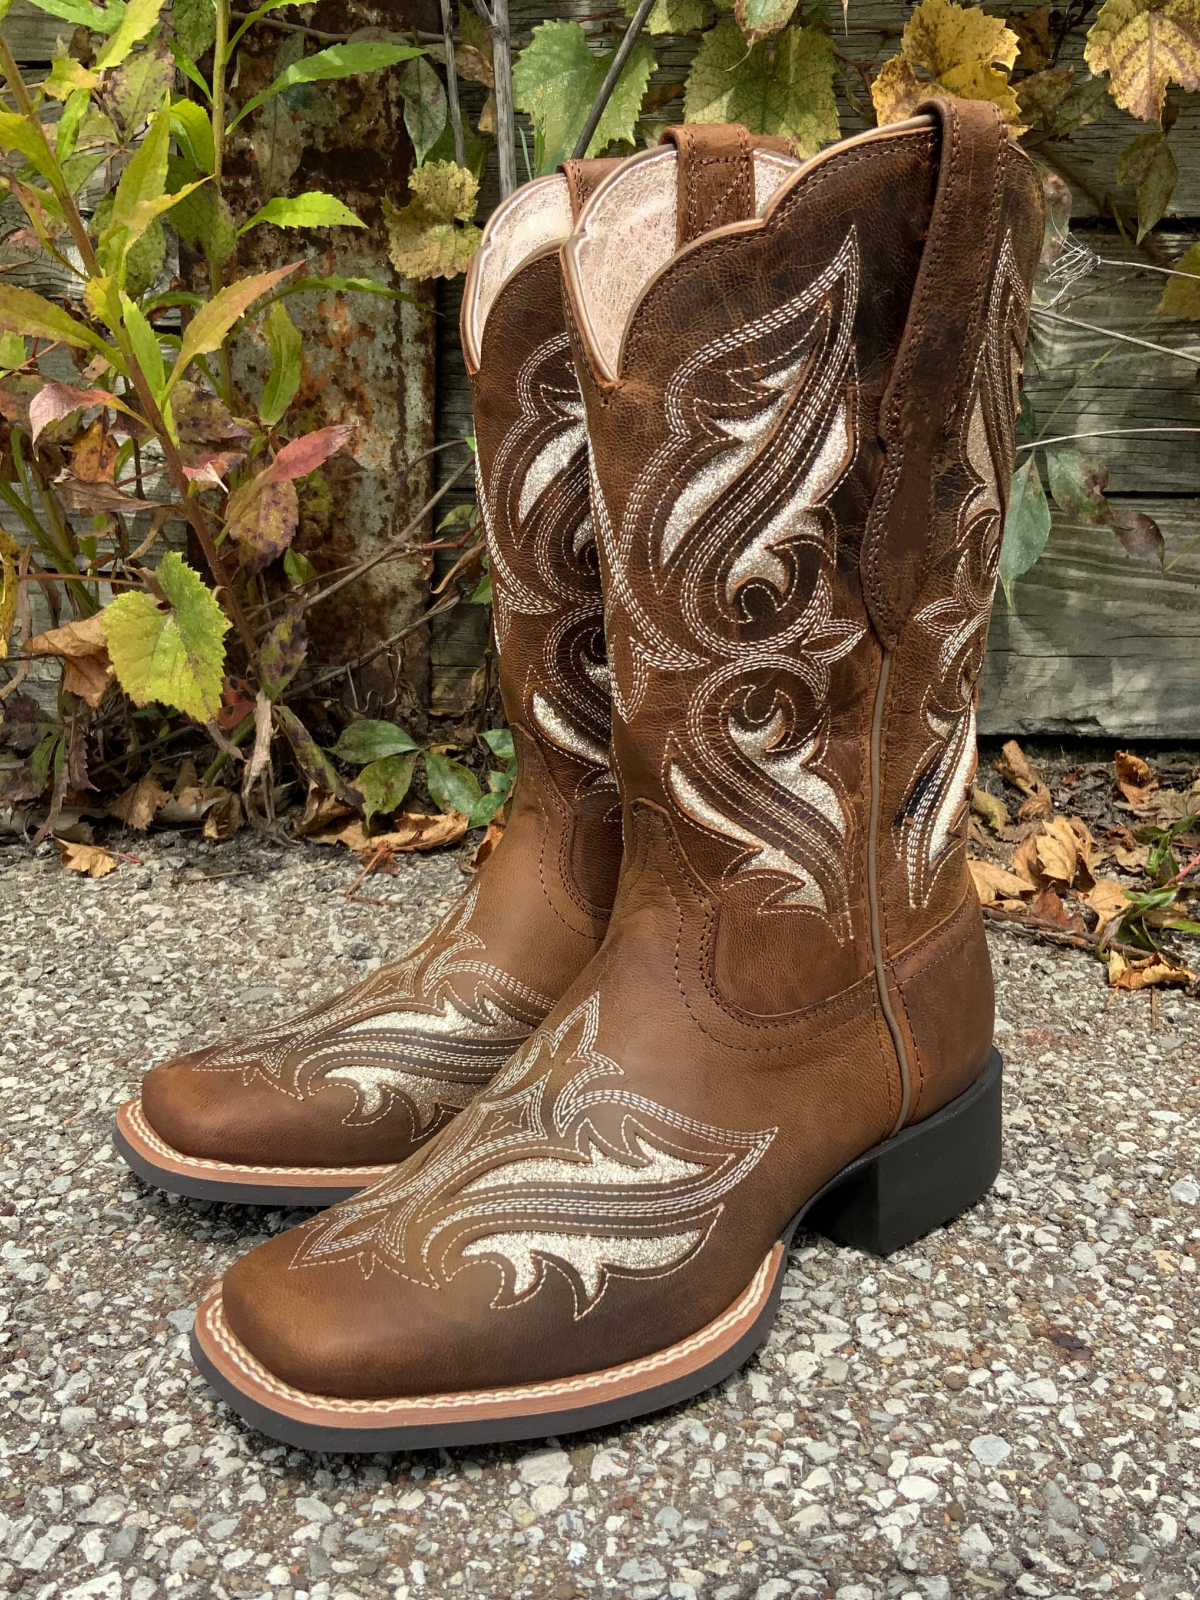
x=802, y=426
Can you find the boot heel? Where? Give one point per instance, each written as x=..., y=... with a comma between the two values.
x=920, y=1179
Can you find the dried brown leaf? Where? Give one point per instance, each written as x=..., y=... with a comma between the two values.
x=140, y=804
x=1108, y=900
x=493, y=836
x=1017, y=769
x=1135, y=779
x=419, y=831
x=225, y=817
x=993, y=883
x=83, y=649
x=1145, y=973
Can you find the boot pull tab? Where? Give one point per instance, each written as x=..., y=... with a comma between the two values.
x=584, y=178
x=714, y=175
x=922, y=406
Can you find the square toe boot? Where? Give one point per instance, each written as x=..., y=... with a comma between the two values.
x=800, y=386
x=311, y=1109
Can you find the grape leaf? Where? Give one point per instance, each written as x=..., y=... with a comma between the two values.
x=1143, y=47
x=427, y=237
x=555, y=80
x=957, y=50
x=676, y=16
x=175, y=653
x=782, y=86
x=760, y=18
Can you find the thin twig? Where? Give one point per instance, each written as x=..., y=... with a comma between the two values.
x=322, y=37
x=1070, y=937
x=615, y=68
x=1191, y=358
x=1100, y=433
x=495, y=21
x=452, y=86
x=447, y=604
x=394, y=546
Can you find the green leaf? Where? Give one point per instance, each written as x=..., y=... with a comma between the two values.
x=67, y=76
x=17, y=133
x=12, y=350
x=500, y=742
x=68, y=131
x=193, y=132
x=780, y=86
x=312, y=760
x=1156, y=188
x=282, y=654
x=82, y=14
x=760, y=18
x=486, y=807
x=1181, y=297
x=145, y=347
x=1027, y=526
x=312, y=210
x=22, y=311
x=298, y=567
x=369, y=740
x=338, y=61
x=671, y=16
x=425, y=107
x=284, y=343
x=335, y=284
x=555, y=80
x=195, y=24
x=173, y=654
x=207, y=329
x=453, y=786
x=253, y=16
x=202, y=218
x=140, y=18
x=383, y=784
x=1077, y=485
x=482, y=593
x=190, y=70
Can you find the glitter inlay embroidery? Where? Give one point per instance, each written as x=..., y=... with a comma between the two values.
x=421, y=1035
x=963, y=581
x=728, y=533
x=556, y=1166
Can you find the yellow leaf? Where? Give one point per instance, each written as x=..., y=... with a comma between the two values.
x=1144, y=47
x=960, y=51
x=1058, y=850
x=9, y=588
x=90, y=858
x=427, y=237
x=1108, y=900
x=993, y=811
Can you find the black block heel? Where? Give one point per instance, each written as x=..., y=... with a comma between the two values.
x=920, y=1179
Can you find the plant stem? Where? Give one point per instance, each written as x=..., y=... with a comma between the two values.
x=615, y=68
x=495, y=21
x=220, y=68
x=452, y=86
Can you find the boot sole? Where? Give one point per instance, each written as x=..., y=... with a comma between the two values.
x=155, y=1161
x=919, y=1180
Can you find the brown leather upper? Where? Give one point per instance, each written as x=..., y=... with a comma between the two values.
x=368, y=1076
x=795, y=963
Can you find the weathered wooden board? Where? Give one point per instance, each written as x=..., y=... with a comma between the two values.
x=1101, y=643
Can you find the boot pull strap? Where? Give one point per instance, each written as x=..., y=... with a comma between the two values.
x=714, y=177
x=584, y=178
x=922, y=406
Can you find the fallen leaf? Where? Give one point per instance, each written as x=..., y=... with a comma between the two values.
x=352, y=834
x=139, y=804
x=1172, y=805
x=1018, y=770
x=1048, y=907
x=90, y=858
x=413, y=830
x=993, y=810
x=95, y=453
x=225, y=817
x=191, y=805
x=1135, y=779
x=321, y=811
x=1108, y=900
x=1026, y=862
x=1145, y=972
x=493, y=836
x=83, y=649
x=1058, y=850
x=993, y=882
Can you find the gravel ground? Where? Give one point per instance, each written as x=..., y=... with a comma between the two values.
x=1010, y=1407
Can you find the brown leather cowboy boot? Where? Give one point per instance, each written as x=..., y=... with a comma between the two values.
x=311, y=1110
x=802, y=426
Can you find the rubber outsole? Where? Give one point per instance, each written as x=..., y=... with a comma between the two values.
x=919, y=1180
x=159, y=1164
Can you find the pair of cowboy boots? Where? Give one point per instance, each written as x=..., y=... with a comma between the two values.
x=793, y=386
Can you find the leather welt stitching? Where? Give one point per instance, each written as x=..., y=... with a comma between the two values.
x=160, y=1147
x=218, y=1329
